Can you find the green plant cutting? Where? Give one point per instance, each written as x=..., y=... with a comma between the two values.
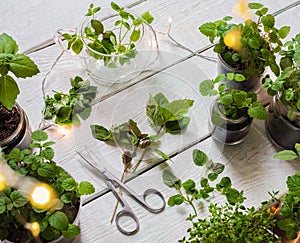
x=250, y=46
x=11, y=62
x=119, y=41
x=287, y=83
x=69, y=108
x=231, y=222
x=16, y=209
x=234, y=103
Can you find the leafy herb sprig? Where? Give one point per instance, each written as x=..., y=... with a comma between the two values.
x=11, y=62
x=234, y=103
x=287, y=83
x=260, y=41
x=67, y=108
x=289, y=154
x=188, y=191
x=231, y=222
x=119, y=41
x=15, y=209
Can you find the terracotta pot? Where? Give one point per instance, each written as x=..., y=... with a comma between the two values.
x=21, y=137
x=251, y=84
x=226, y=130
x=282, y=132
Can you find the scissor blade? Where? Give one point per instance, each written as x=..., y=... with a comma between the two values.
x=89, y=162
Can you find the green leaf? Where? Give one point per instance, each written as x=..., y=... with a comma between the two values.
x=199, y=157
x=225, y=182
x=268, y=20
x=48, y=153
x=47, y=170
x=284, y=31
x=212, y=176
x=2, y=205
x=7, y=44
x=115, y=6
x=22, y=66
x=9, y=91
x=98, y=26
x=189, y=186
x=59, y=221
x=208, y=29
x=162, y=154
x=85, y=188
x=286, y=155
x=135, y=35
x=297, y=147
x=101, y=133
x=257, y=111
x=206, y=88
x=255, y=5
x=147, y=17
x=77, y=46
x=18, y=199
x=175, y=200
x=170, y=179
x=178, y=108
x=72, y=232
x=233, y=196
x=48, y=144
x=39, y=136
x=69, y=184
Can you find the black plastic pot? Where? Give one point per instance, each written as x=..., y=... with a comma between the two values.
x=21, y=137
x=251, y=84
x=226, y=130
x=282, y=132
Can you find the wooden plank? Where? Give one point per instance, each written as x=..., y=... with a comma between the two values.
x=250, y=166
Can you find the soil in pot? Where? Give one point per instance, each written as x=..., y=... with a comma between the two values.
x=282, y=132
x=14, y=128
x=226, y=130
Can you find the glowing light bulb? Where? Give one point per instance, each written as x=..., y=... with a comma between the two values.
x=233, y=39
x=35, y=229
x=241, y=8
x=2, y=182
x=41, y=196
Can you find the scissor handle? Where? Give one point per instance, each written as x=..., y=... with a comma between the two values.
x=150, y=208
x=127, y=212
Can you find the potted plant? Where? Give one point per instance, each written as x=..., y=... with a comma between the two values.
x=283, y=123
x=14, y=126
x=233, y=111
x=111, y=43
x=27, y=212
x=230, y=222
x=247, y=48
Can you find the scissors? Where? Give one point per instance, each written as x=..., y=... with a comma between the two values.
x=111, y=182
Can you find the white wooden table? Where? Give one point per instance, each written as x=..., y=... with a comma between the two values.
x=177, y=73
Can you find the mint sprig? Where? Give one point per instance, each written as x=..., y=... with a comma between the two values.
x=10, y=62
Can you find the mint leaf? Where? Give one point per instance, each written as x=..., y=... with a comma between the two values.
x=85, y=188
x=255, y=5
x=39, y=136
x=199, y=157
x=7, y=44
x=59, y=221
x=207, y=88
x=257, y=111
x=175, y=200
x=189, y=186
x=47, y=170
x=48, y=153
x=147, y=17
x=135, y=35
x=18, y=199
x=284, y=31
x=162, y=154
x=72, y=232
x=178, y=108
x=69, y=184
x=2, y=205
x=170, y=179
x=22, y=66
x=101, y=133
x=9, y=91
x=286, y=155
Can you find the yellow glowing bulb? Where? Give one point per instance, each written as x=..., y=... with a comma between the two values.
x=41, y=196
x=242, y=9
x=233, y=39
x=35, y=229
x=2, y=182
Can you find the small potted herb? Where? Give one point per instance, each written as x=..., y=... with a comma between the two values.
x=233, y=111
x=247, y=48
x=283, y=123
x=230, y=222
x=14, y=126
x=24, y=215
x=111, y=42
